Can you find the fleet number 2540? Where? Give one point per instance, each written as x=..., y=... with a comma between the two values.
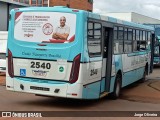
x=40, y=65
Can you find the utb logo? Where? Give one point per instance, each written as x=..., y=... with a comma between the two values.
x=61, y=69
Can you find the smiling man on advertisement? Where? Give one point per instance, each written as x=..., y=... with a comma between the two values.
x=62, y=31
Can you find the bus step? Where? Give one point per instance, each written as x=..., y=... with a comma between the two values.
x=103, y=94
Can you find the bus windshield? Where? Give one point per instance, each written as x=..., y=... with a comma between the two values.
x=48, y=27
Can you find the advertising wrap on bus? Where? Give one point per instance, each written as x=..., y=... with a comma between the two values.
x=49, y=27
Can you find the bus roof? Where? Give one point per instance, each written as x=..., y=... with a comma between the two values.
x=91, y=15
x=118, y=21
x=54, y=8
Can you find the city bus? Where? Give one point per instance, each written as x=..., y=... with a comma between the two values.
x=156, y=60
x=156, y=43
x=97, y=56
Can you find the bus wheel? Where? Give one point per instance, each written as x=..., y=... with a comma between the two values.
x=117, y=87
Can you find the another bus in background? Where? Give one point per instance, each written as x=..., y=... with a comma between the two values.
x=156, y=60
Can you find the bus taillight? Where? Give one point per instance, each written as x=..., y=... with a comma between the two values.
x=75, y=69
x=10, y=64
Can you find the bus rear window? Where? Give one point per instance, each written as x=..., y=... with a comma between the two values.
x=48, y=27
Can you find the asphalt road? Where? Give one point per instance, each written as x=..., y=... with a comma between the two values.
x=11, y=101
x=14, y=101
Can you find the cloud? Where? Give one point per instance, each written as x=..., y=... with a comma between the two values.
x=149, y=8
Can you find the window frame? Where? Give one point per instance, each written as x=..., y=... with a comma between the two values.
x=98, y=54
x=118, y=40
x=129, y=41
x=136, y=37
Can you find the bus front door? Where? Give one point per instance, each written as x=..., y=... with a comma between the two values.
x=107, y=58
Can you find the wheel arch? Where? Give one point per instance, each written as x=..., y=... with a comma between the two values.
x=119, y=72
x=114, y=95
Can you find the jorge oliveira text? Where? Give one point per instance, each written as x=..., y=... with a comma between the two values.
x=145, y=114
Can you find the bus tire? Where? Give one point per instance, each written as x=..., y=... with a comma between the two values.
x=117, y=87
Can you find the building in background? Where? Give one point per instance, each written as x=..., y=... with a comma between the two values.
x=134, y=17
x=138, y=18
x=42, y=3
x=77, y=4
x=5, y=7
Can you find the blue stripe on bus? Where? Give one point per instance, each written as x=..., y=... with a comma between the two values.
x=112, y=19
x=93, y=15
x=91, y=91
x=128, y=78
x=137, y=53
x=132, y=76
x=29, y=51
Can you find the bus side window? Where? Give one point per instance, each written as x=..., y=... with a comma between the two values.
x=90, y=30
x=128, y=42
x=148, y=40
x=118, y=40
x=134, y=41
x=94, y=39
x=143, y=41
x=97, y=31
x=138, y=39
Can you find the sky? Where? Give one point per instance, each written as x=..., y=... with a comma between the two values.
x=149, y=8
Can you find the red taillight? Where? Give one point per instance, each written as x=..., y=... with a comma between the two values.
x=10, y=64
x=75, y=69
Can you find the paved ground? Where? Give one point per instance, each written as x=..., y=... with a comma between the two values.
x=148, y=91
x=2, y=78
x=136, y=97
